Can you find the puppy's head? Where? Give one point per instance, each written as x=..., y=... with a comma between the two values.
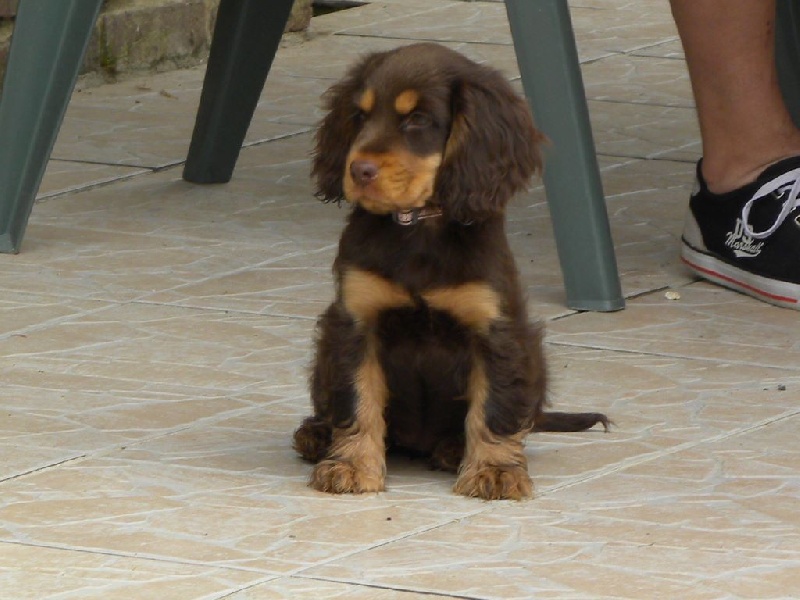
x=421, y=125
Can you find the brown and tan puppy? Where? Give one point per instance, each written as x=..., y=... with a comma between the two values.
x=427, y=346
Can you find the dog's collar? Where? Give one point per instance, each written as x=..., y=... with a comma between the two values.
x=413, y=215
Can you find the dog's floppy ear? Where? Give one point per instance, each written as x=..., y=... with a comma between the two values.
x=493, y=148
x=338, y=129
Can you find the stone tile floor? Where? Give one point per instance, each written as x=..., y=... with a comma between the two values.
x=155, y=337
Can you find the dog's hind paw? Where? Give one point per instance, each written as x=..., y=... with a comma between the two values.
x=312, y=440
x=448, y=454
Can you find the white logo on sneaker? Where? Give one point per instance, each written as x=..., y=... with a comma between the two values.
x=743, y=245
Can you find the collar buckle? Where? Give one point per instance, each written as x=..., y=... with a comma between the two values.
x=412, y=216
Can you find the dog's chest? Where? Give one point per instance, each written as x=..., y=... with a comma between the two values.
x=368, y=297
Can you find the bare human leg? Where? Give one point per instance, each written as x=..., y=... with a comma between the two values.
x=744, y=123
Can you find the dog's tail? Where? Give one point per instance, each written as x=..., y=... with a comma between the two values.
x=562, y=421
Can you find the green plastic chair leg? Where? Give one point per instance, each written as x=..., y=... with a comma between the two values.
x=47, y=47
x=787, y=54
x=246, y=38
x=548, y=60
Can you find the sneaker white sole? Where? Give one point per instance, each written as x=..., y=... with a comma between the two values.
x=779, y=293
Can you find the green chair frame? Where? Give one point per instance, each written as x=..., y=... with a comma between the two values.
x=51, y=36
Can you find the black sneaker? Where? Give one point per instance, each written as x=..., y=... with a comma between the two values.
x=749, y=239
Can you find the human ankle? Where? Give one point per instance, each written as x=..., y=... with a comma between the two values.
x=722, y=181
x=721, y=178
x=730, y=164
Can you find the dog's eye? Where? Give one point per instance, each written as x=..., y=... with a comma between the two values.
x=417, y=120
x=359, y=116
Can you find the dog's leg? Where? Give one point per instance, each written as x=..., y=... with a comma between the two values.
x=494, y=466
x=356, y=462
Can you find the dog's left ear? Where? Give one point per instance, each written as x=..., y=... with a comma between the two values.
x=493, y=148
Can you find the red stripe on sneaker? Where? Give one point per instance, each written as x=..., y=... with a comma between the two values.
x=746, y=286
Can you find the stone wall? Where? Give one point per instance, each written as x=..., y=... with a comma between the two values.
x=153, y=35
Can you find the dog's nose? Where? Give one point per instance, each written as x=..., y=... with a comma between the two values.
x=363, y=171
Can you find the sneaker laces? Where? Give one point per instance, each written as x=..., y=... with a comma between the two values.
x=787, y=184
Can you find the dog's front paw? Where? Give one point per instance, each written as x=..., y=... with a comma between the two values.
x=343, y=477
x=492, y=482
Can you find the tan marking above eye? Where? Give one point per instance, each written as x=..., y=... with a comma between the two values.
x=406, y=101
x=367, y=100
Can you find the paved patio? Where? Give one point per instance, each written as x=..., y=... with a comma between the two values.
x=155, y=339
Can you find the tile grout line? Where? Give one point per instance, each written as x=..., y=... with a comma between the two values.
x=666, y=355
x=357, y=584
x=148, y=169
x=376, y=586
x=412, y=12
x=653, y=456
x=47, y=197
x=122, y=446
x=76, y=458
x=626, y=102
x=42, y=325
x=140, y=556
